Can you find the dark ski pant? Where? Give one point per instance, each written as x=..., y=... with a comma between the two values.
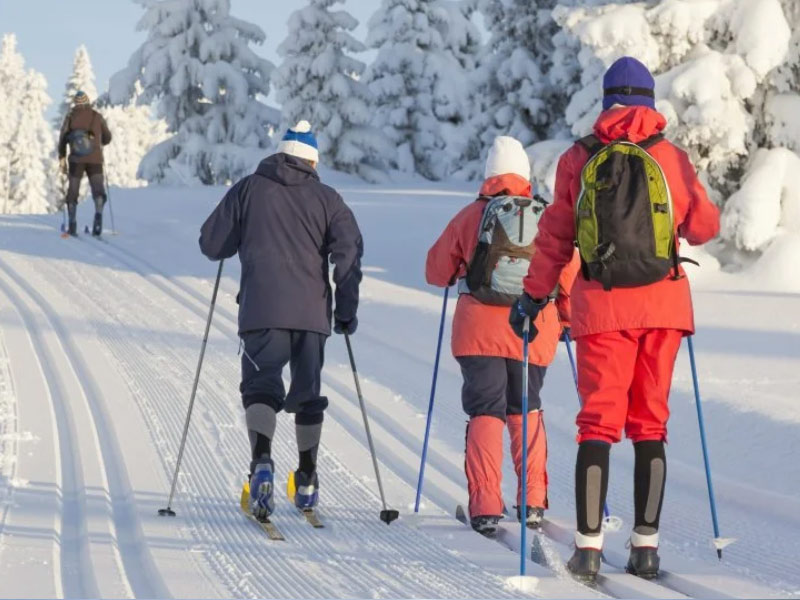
x=493, y=386
x=264, y=355
x=97, y=184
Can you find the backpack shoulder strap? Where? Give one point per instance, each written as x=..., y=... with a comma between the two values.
x=592, y=143
x=651, y=141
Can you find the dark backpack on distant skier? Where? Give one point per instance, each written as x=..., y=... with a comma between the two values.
x=505, y=247
x=624, y=223
x=81, y=141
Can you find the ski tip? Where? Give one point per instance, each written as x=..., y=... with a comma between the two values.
x=244, y=500
x=291, y=486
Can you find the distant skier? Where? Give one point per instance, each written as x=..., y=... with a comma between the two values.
x=624, y=205
x=86, y=132
x=489, y=271
x=286, y=227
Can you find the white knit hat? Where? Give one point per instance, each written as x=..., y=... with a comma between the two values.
x=300, y=142
x=507, y=156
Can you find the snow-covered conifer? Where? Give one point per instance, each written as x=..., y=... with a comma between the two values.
x=198, y=64
x=12, y=88
x=320, y=82
x=135, y=132
x=31, y=148
x=520, y=99
x=420, y=88
x=81, y=79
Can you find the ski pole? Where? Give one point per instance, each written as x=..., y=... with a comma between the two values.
x=523, y=505
x=568, y=343
x=64, y=204
x=387, y=515
x=110, y=207
x=719, y=543
x=430, y=403
x=168, y=510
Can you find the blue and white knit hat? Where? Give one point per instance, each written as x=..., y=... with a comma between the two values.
x=300, y=142
x=81, y=98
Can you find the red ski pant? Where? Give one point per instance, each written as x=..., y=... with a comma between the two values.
x=624, y=379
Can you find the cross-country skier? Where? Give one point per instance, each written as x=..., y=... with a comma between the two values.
x=624, y=206
x=490, y=277
x=286, y=227
x=85, y=131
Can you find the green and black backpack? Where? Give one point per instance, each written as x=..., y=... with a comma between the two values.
x=624, y=224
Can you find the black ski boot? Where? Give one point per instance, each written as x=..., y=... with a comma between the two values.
x=535, y=516
x=97, y=227
x=485, y=525
x=643, y=561
x=585, y=564
x=72, y=229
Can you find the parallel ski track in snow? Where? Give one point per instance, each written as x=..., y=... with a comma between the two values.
x=613, y=584
x=141, y=576
x=216, y=518
x=78, y=580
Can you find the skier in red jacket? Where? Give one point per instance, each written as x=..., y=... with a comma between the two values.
x=627, y=337
x=490, y=355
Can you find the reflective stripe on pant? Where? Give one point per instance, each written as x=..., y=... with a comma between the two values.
x=624, y=379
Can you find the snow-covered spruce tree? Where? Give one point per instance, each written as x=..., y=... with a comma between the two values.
x=463, y=39
x=198, y=65
x=82, y=79
x=12, y=89
x=31, y=148
x=318, y=82
x=761, y=220
x=710, y=60
x=420, y=89
x=515, y=72
x=135, y=132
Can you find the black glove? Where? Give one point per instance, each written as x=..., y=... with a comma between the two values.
x=566, y=334
x=348, y=327
x=525, y=306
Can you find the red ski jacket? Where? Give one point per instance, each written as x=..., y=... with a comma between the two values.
x=665, y=304
x=480, y=329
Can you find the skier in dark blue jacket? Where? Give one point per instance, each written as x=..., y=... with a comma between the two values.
x=287, y=227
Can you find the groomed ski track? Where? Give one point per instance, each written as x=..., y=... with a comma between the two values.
x=100, y=344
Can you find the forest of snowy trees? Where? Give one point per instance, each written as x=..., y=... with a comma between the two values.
x=427, y=90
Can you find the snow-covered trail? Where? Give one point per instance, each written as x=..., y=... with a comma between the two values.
x=100, y=343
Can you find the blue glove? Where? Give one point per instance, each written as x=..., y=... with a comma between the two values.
x=345, y=327
x=525, y=306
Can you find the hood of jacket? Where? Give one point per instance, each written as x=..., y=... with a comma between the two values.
x=287, y=170
x=633, y=123
x=508, y=184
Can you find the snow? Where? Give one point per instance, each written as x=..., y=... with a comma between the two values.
x=98, y=347
x=769, y=199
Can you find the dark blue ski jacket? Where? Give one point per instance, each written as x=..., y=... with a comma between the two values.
x=287, y=227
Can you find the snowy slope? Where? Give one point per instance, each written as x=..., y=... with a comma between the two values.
x=98, y=345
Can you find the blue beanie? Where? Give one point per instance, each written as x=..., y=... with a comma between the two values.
x=299, y=141
x=628, y=82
